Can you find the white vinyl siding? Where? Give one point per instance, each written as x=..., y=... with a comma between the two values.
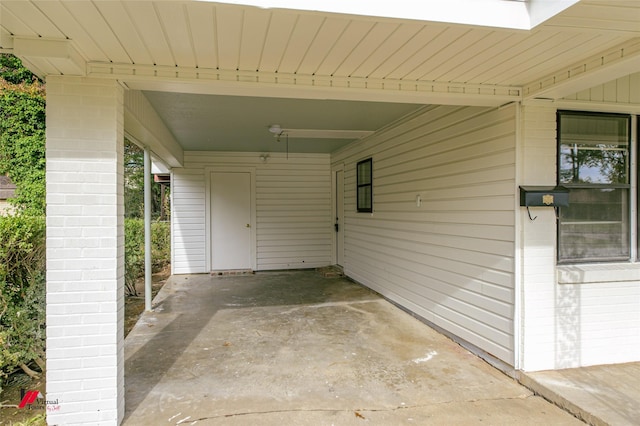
x=451, y=259
x=293, y=209
x=625, y=90
x=293, y=204
x=187, y=221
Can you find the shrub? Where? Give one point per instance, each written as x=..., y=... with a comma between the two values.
x=22, y=292
x=134, y=250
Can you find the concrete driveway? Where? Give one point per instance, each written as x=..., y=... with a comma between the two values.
x=296, y=348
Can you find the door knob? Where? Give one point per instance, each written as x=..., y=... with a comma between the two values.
x=248, y=226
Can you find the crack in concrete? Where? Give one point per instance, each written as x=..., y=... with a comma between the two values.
x=357, y=410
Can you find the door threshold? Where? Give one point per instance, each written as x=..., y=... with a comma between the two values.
x=232, y=272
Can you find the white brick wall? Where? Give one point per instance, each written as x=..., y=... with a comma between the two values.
x=569, y=324
x=538, y=238
x=85, y=251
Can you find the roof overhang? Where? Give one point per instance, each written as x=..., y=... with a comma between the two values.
x=513, y=14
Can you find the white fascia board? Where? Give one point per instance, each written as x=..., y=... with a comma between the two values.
x=158, y=167
x=60, y=53
x=513, y=14
x=283, y=85
x=145, y=127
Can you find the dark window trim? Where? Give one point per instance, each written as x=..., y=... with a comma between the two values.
x=360, y=186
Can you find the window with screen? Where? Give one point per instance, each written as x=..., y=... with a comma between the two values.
x=364, y=170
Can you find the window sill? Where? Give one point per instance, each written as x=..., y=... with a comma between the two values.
x=598, y=273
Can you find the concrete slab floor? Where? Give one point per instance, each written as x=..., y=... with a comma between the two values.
x=600, y=395
x=296, y=348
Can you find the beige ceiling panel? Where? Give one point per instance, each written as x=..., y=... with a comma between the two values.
x=12, y=24
x=41, y=66
x=229, y=29
x=344, y=46
x=278, y=35
x=481, y=73
x=146, y=20
x=177, y=29
x=38, y=22
x=472, y=69
x=304, y=33
x=6, y=40
x=494, y=49
x=465, y=46
x=456, y=64
x=202, y=17
x=89, y=18
x=254, y=33
x=631, y=25
x=526, y=65
x=402, y=36
x=388, y=69
x=607, y=15
x=522, y=60
x=72, y=29
x=570, y=49
x=380, y=32
x=120, y=22
x=415, y=67
x=325, y=40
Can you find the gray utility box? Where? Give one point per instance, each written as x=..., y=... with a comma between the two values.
x=543, y=196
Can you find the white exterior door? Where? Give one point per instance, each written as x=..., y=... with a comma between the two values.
x=231, y=220
x=339, y=221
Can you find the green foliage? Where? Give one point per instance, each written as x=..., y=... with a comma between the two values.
x=12, y=70
x=160, y=244
x=134, y=185
x=22, y=291
x=22, y=135
x=134, y=250
x=133, y=254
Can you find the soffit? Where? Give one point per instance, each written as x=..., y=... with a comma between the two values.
x=241, y=123
x=232, y=37
x=247, y=44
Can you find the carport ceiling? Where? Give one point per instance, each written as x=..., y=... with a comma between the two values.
x=241, y=123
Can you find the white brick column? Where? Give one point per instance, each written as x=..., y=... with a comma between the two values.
x=538, y=241
x=85, y=251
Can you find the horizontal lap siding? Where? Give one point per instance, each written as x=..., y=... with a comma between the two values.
x=293, y=209
x=451, y=260
x=293, y=203
x=187, y=219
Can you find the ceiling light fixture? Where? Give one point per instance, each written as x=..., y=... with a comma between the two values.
x=275, y=129
x=319, y=133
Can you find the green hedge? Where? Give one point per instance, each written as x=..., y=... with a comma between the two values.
x=134, y=250
x=22, y=291
x=22, y=282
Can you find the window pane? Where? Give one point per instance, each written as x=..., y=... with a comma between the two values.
x=364, y=172
x=364, y=185
x=364, y=198
x=595, y=226
x=594, y=149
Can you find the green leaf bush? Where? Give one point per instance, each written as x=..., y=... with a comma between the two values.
x=134, y=250
x=22, y=292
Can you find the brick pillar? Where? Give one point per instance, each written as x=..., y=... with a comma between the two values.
x=85, y=251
